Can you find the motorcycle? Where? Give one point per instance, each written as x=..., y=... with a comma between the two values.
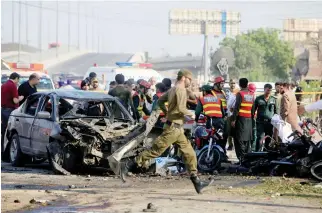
x=209, y=154
x=261, y=162
x=304, y=159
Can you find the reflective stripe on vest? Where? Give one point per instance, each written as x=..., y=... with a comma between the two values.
x=211, y=106
x=222, y=98
x=246, y=104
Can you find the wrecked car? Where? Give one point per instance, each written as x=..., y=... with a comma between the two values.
x=72, y=128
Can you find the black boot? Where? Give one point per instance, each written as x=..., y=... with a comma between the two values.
x=198, y=184
x=126, y=167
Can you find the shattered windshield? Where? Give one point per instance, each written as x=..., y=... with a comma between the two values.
x=78, y=108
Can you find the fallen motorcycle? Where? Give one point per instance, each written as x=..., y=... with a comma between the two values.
x=260, y=162
x=304, y=159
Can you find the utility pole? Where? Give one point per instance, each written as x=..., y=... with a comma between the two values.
x=27, y=37
x=13, y=22
x=40, y=30
x=205, y=54
x=86, y=30
x=68, y=26
x=93, y=29
x=98, y=34
x=78, y=33
x=57, y=29
x=19, y=35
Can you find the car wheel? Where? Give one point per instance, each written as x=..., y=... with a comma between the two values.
x=17, y=158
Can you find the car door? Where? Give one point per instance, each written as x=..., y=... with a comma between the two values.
x=25, y=120
x=41, y=129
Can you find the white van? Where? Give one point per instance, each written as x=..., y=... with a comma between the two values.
x=107, y=74
x=25, y=71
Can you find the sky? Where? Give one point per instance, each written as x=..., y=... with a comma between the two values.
x=138, y=26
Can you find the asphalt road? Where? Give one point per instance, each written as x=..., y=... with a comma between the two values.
x=79, y=65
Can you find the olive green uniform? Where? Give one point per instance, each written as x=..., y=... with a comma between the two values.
x=265, y=111
x=125, y=98
x=173, y=130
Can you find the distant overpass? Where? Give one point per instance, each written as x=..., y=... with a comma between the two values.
x=170, y=63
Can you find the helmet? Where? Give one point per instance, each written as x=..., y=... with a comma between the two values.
x=252, y=87
x=219, y=79
x=206, y=88
x=201, y=132
x=145, y=84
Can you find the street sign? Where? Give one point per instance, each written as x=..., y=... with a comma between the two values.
x=204, y=22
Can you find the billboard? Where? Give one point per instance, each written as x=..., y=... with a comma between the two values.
x=200, y=22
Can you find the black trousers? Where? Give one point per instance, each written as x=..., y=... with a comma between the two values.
x=241, y=147
x=218, y=123
x=5, y=113
x=263, y=129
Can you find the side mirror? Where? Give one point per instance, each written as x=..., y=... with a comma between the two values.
x=43, y=115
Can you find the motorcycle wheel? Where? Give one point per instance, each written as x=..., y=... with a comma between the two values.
x=316, y=170
x=213, y=163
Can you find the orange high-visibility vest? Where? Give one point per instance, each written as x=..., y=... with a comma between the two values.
x=141, y=103
x=222, y=98
x=246, y=104
x=211, y=106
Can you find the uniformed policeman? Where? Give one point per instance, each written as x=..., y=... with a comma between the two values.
x=265, y=106
x=218, y=91
x=173, y=132
x=242, y=119
x=123, y=94
x=212, y=108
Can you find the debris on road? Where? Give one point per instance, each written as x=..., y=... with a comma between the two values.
x=150, y=208
x=35, y=201
x=16, y=201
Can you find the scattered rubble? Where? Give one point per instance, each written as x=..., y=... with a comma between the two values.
x=150, y=208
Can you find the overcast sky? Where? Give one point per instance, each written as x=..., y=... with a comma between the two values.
x=141, y=26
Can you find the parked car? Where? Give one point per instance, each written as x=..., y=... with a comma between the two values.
x=69, y=127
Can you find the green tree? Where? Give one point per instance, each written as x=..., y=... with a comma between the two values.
x=260, y=55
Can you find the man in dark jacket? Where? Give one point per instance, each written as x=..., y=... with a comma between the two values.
x=28, y=87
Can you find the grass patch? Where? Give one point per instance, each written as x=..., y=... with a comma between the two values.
x=280, y=186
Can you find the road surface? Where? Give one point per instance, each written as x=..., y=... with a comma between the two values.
x=81, y=63
x=175, y=194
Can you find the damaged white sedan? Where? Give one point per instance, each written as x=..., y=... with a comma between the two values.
x=72, y=129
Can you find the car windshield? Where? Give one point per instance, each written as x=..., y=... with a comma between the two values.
x=77, y=108
x=44, y=83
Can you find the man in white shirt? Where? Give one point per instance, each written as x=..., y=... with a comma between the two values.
x=310, y=107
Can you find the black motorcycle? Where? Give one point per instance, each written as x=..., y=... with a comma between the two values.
x=305, y=157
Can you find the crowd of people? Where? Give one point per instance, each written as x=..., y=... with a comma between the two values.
x=245, y=118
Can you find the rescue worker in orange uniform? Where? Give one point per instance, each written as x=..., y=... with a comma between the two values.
x=242, y=119
x=211, y=106
x=218, y=92
x=139, y=99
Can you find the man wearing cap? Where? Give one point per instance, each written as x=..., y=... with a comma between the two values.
x=212, y=108
x=173, y=132
x=242, y=119
x=218, y=91
x=265, y=106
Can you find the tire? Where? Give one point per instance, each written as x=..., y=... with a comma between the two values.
x=215, y=161
x=17, y=158
x=316, y=170
x=63, y=156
